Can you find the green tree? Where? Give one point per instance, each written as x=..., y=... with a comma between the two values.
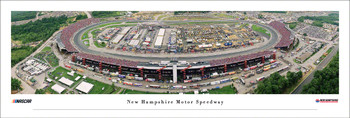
x=332, y=18
x=276, y=84
x=81, y=17
x=104, y=14
x=325, y=81
x=305, y=34
x=39, y=30
x=39, y=91
x=16, y=84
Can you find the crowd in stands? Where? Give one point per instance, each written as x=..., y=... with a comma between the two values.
x=285, y=40
x=219, y=62
x=107, y=60
x=68, y=32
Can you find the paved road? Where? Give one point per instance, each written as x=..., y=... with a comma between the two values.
x=319, y=67
x=80, y=46
x=88, y=14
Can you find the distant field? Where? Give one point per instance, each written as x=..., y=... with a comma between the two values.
x=275, y=12
x=332, y=18
x=104, y=14
x=224, y=15
x=190, y=18
x=161, y=16
x=22, y=15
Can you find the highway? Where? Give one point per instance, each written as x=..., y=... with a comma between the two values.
x=82, y=48
x=323, y=64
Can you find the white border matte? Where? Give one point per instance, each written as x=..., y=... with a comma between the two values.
x=9, y=109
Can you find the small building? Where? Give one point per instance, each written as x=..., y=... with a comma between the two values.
x=66, y=81
x=57, y=88
x=85, y=87
x=304, y=56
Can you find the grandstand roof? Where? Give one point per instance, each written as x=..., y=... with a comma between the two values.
x=108, y=60
x=59, y=41
x=240, y=58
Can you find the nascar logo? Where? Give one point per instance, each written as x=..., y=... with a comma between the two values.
x=21, y=100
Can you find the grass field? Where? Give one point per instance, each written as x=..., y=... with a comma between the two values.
x=46, y=49
x=97, y=89
x=94, y=33
x=40, y=56
x=224, y=15
x=52, y=59
x=224, y=90
x=62, y=72
x=99, y=45
x=260, y=29
x=85, y=35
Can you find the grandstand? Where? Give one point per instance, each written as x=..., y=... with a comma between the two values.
x=63, y=38
x=167, y=71
x=286, y=40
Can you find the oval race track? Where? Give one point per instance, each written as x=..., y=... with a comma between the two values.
x=82, y=48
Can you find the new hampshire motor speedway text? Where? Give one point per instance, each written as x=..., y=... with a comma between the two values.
x=156, y=102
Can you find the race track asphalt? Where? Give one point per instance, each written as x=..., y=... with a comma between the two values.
x=82, y=48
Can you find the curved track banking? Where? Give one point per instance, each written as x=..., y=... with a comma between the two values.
x=205, y=57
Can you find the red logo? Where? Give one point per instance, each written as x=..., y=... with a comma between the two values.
x=326, y=100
